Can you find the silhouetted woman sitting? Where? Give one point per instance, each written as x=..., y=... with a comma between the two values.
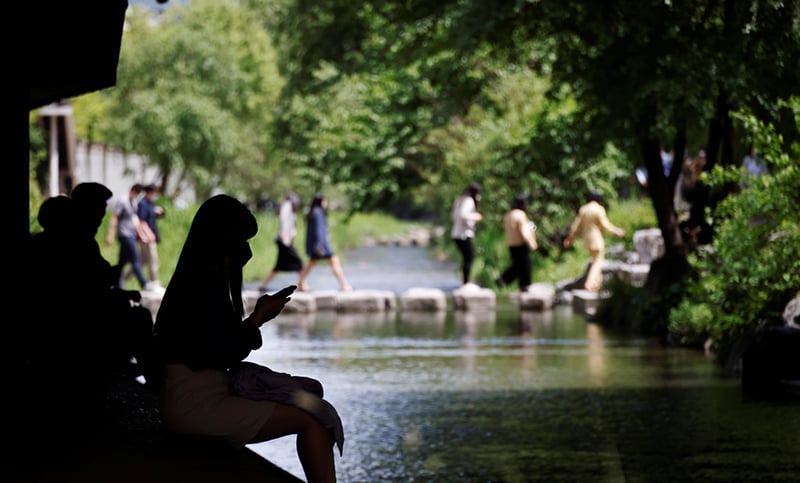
x=201, y=331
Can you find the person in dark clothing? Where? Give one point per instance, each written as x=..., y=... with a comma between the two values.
x=318, y=245
x=127, y=228
x=202, y=332
x=149, y=213
x=86, y=335
x=521, y=241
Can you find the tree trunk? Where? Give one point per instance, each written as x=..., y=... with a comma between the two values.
x=672, y=268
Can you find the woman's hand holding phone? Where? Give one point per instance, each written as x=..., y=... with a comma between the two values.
x=269, y=306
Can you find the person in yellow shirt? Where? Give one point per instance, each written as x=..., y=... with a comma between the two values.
x=521, y=240
x=591, y=222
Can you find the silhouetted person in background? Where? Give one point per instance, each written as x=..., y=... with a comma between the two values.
x=202, y=331
x=318, y=245
x=521, y=241
x=464, y=216
x=125, y=324
x=288, y=259
x=47, y=334
x=82, y=333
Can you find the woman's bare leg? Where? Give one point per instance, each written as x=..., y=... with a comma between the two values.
x=266, y=280
x=594, y=279
x=314, y=442
x=336, y=266
x=301, y=282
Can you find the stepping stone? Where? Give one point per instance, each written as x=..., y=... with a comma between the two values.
x=539, y=296
x=474, y=298
x=423, y=300
x=365, y=301
x=634, y=274
x=302, y=303
x=585, y=302
x=325, y=299
x=649, y=244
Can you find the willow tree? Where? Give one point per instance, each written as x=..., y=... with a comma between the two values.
x=196, y=88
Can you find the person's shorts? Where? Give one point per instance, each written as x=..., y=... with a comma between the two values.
x=200, y=403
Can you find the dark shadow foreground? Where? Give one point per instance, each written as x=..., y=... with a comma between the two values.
x=132, y=447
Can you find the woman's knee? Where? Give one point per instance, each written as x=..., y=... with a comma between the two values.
x=285, y=420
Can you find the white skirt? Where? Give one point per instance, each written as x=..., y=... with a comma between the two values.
x=200, y=403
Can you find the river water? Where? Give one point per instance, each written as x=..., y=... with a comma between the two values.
x=511, y=396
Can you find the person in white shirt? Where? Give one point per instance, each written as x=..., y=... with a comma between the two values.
x=464, y=216
x=288, y=259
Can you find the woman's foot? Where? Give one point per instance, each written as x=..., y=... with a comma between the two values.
x=302, y=287
x=347, y=288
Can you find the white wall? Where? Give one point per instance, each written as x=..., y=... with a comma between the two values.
x=118, y=171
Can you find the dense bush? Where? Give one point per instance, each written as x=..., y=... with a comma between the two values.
x=752, y=269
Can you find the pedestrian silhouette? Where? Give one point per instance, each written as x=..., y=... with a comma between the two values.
x=127, y=325
x=83, y=334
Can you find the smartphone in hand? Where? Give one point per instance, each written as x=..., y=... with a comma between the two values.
x=285, y=292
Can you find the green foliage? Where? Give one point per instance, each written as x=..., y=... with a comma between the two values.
x=752, y=268
x=631, y=215
x=36, y=150
x=195, y=96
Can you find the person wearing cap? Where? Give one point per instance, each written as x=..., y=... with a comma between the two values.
x=590, y=223
x=521, y=240
x=464, y=216
x=288, y=259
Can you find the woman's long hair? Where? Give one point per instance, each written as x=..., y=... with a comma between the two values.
x=316, y=202
x=220, y=228
x=474, y=192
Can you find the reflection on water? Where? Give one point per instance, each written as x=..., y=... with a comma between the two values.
x=518, y=397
